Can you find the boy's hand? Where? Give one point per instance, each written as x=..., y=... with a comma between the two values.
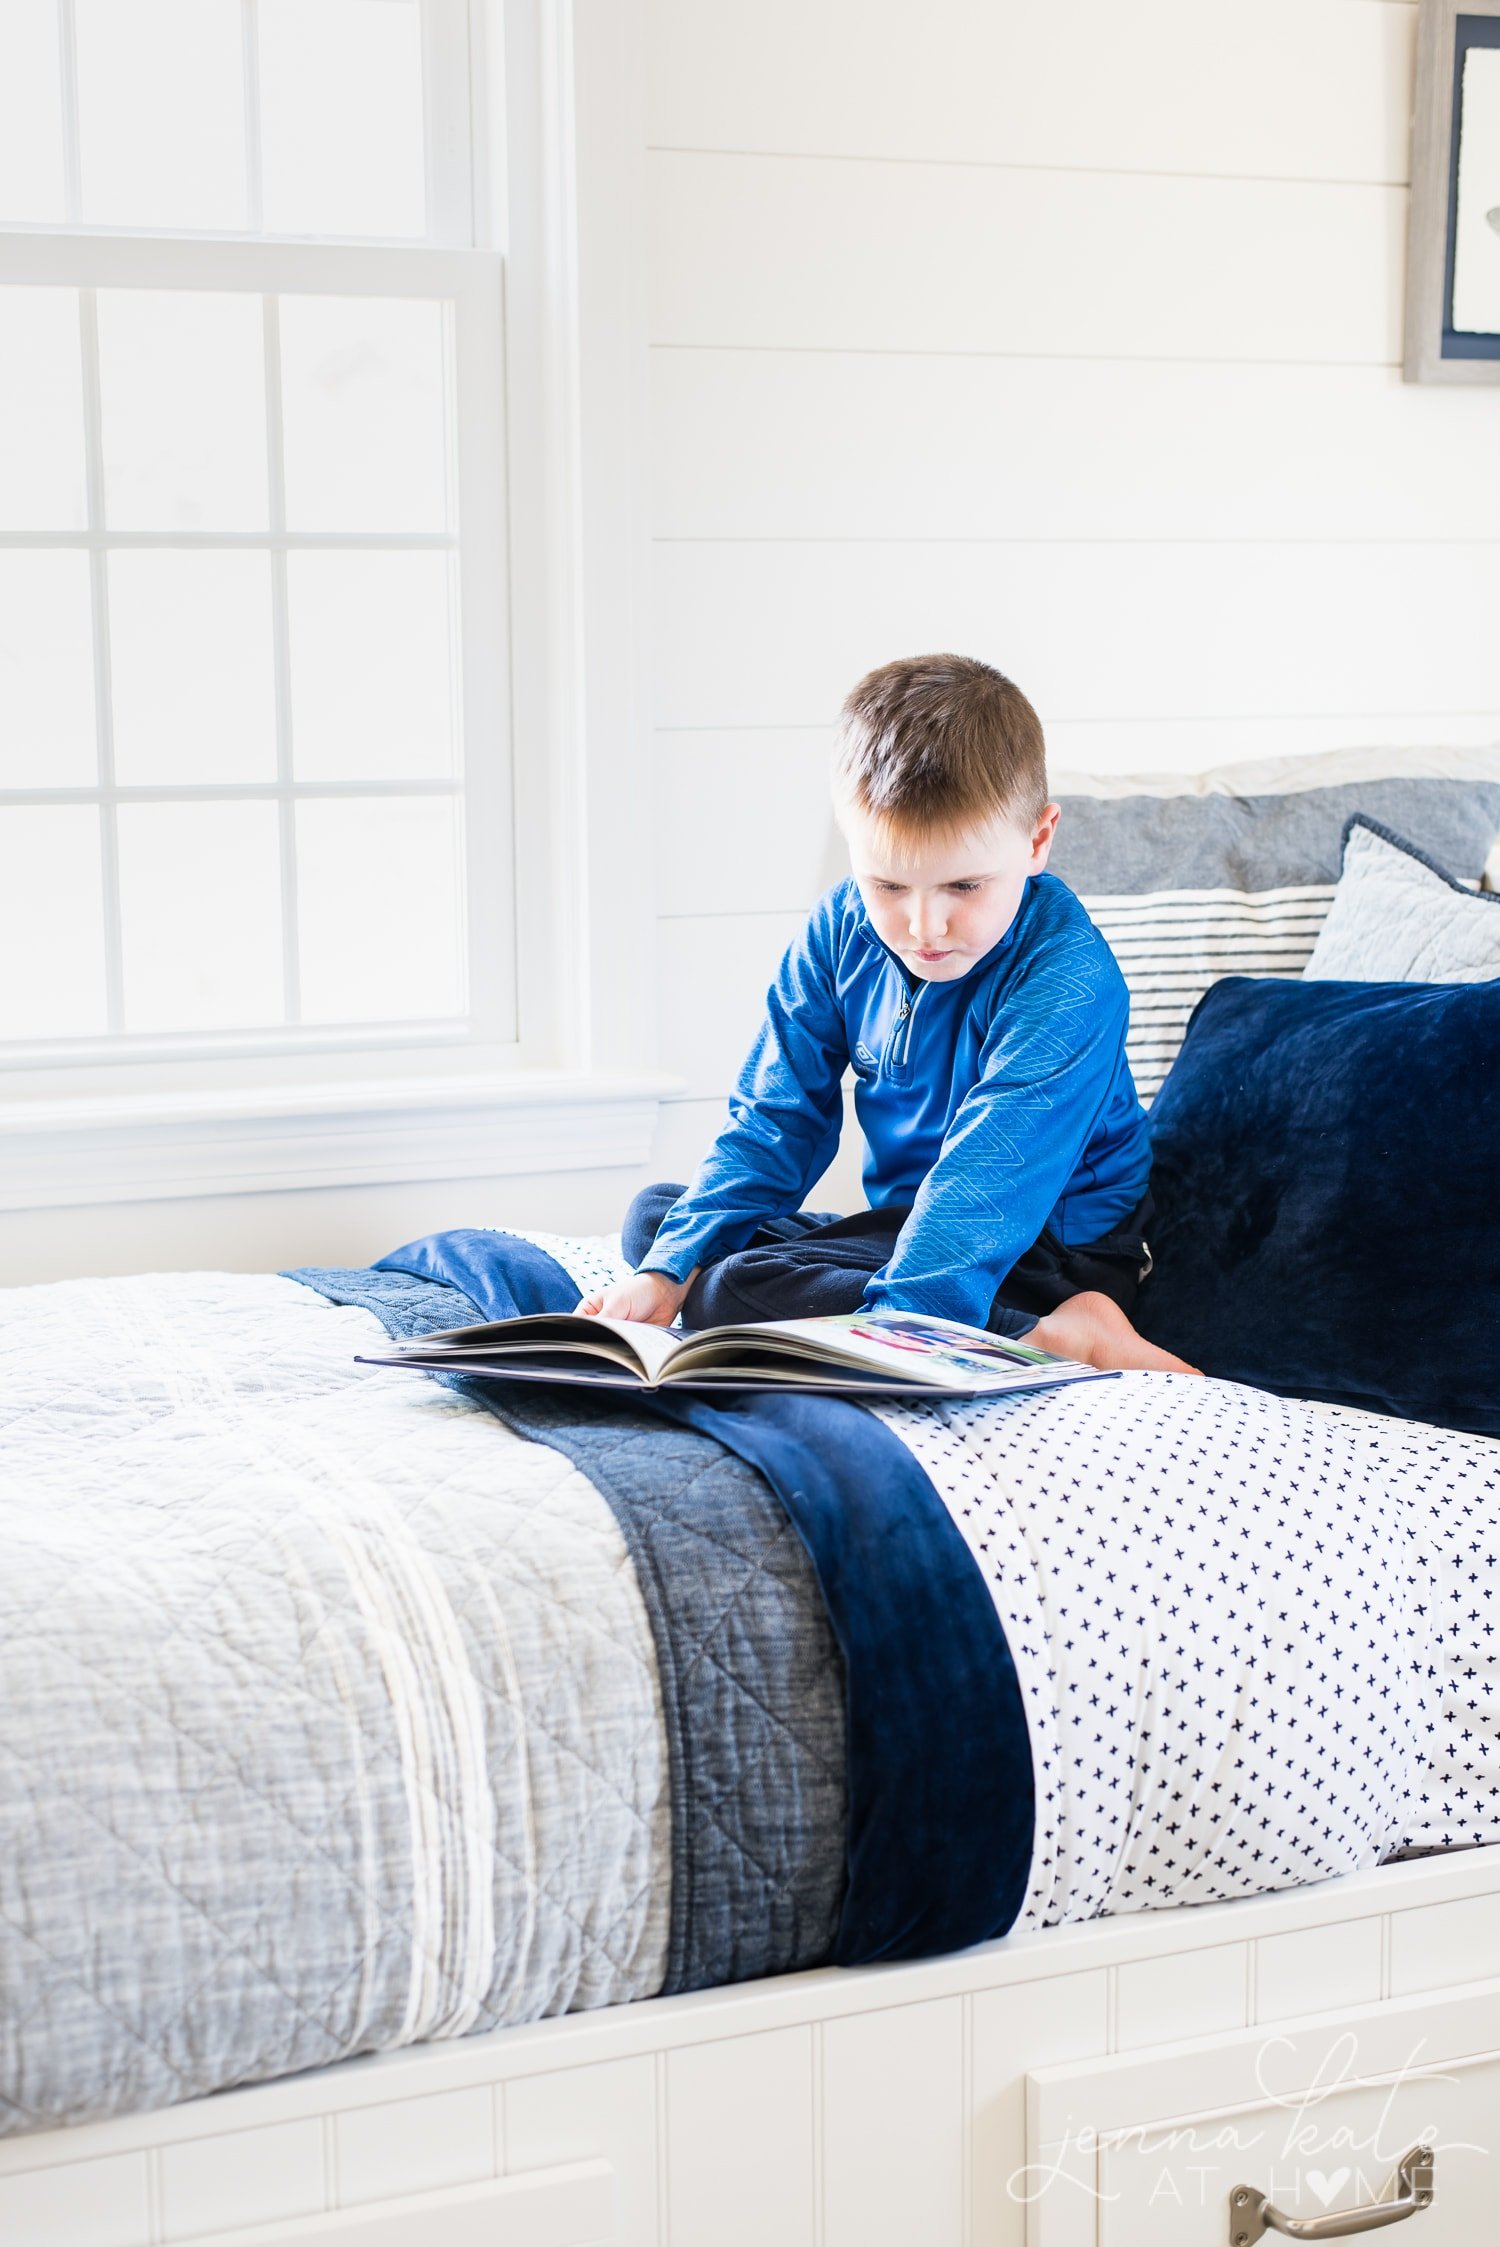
x=648, y=1296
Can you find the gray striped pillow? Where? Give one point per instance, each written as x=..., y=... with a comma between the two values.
x=1231, y=872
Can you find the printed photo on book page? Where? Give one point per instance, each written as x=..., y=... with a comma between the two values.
x=936, y=1350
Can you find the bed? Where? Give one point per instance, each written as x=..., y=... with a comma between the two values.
x=459, y=1817
x=344, y=1715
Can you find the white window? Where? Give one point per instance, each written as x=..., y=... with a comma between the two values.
x=254, y=767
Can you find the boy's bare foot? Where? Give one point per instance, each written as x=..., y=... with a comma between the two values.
x=1094, y=1330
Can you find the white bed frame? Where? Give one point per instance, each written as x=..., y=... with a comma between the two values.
x=1144, y=2066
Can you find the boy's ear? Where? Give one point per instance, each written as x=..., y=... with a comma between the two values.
x=1042, y=834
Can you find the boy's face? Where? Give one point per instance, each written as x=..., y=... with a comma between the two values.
x=942, y=900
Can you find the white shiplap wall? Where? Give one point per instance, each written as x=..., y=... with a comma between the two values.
x=1068, y=336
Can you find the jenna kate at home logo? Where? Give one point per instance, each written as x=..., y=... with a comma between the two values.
x=1296, y=2149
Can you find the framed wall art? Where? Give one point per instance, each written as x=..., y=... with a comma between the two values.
x=1453, y=270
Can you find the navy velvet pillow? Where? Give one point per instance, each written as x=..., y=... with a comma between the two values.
x=1327, y=1179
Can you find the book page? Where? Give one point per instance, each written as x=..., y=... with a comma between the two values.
x=909, y=1347
x=629, y=1342
x=655, y=1346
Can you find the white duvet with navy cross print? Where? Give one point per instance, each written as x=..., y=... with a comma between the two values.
x=1258, y=1640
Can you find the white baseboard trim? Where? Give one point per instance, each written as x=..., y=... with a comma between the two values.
x=60, y=1154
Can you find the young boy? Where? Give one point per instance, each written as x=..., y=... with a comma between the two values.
x=984, y=1018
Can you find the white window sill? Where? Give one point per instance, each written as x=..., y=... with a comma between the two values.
x=57, y=1154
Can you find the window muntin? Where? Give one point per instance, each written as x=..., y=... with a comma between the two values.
x=251, y=582
x=295, y=117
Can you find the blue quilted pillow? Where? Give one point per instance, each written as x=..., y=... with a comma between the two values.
x=1327, y=1179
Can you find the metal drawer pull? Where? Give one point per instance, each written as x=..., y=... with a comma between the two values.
x=1251, y=2215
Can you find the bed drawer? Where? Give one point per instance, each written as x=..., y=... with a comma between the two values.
x=77, y=2205
x=1146, y=2150
x=566, y=2207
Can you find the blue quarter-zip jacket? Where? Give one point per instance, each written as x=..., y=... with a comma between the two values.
x=995, y=1105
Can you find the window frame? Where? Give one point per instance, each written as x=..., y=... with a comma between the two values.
x=448, y=266
x=557, y=199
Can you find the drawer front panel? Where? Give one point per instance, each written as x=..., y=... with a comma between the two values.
x=1146, y=2152
x=1171, y=2187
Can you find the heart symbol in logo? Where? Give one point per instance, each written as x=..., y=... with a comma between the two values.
x=1326, y=2187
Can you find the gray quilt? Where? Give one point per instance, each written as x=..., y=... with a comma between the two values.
x=337, y=1712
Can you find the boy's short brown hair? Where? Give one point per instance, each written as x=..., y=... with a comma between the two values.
x=940, y=742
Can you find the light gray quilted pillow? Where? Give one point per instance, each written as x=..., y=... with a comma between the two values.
x=1398, y=918
x=1232, y=871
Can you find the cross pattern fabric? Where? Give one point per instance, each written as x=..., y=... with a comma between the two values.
x=1252, y=1634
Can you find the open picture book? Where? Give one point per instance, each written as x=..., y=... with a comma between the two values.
x=894, y=1352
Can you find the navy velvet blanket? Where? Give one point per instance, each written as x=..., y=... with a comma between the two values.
x=1327, y=1185
x=851, y=1775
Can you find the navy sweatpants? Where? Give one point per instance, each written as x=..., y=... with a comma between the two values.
x=814, y=1266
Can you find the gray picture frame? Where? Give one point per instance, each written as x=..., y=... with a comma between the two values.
x=1433, y=351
